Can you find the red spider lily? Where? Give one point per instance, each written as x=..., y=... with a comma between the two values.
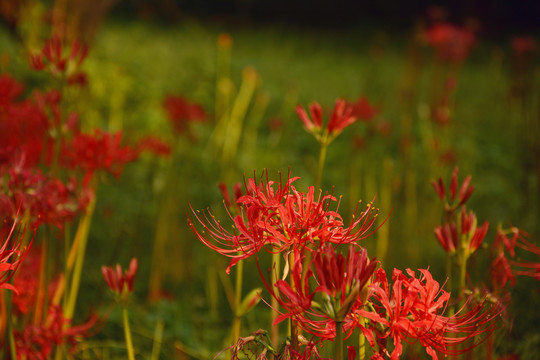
x=246, y=240
x=155, y=145
x=11, y=255
x=464, y=192
x=45, y=199
x=293, y=219
x=60, y=61
x=340, y=282
x=100, y=151
x=23, y=126
x=38, y=341
x=448, y=237
x=181, y=112
x=279, y=219
x=474, y=235
x=27, y=282
x=413, y=310
x=451, y=42
x=10, y=90
x=341, y=278
x=120, y=283
x=363, y=110
x=341, y=118
x=504, y=269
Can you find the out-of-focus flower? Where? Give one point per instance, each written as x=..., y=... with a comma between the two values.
x=39, y=341
x=98, y=151
x=451, y=43
x=120, y=283
x=524, y=45
x=181, y=112
x=61, y=61
x=340, y=118
x=504, y=267
x=44, y=199
x=363, y=110
x=464, y=192
x=447, y=236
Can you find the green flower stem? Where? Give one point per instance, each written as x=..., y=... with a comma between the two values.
x=294, y=328
x=237, y=321
x=320, y=168
x=127, y=332
x=276, y=259
x=361, y=342
x=448, y=272
x=82, y=234
x=338, y=341
x=158, y=340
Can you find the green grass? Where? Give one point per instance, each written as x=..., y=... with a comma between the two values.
x=133, y=65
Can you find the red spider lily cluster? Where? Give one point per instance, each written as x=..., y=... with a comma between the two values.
x=48, y=178
x=327, y=293
x=460, y=236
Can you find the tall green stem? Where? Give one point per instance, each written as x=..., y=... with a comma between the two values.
x=275, y=305
x=82, y=232
x=320, y=168
x=127, y=332
x=237, y=321
x=449, y=272
x=294, y=328
x=361, y=342
x=338, y=341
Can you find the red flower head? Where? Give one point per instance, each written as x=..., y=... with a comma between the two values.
x=120, y=283
x=342, y=278
x=341, y=118
x=181, y=112
x=39, y=341
x=45, y=199
x=100, y=151
x=464, y=192
x=363, y=110
x=447, y=236
x=59, y=61
x=451, y=42
x=412, y=309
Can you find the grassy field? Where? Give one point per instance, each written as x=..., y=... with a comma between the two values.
x=493, y=135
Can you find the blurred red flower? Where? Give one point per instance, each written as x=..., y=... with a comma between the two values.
x=120, y=283
x=181, y=112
